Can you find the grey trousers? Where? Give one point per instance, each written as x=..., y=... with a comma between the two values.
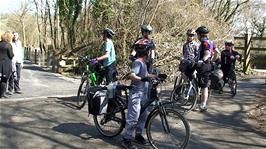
x=135, y=121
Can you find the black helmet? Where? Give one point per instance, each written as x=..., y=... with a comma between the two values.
x=146, y=28
x=229, y=42
x=191, y=32
x=202, y=30
x=108, y=32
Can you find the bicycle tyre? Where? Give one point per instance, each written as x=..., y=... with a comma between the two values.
x=178, y=81
x=185, y=105
x=111, y=123
x=82, y=93
x=179, y=134
x=235, y=89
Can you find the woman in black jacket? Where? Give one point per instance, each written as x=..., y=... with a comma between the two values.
x=6, y=55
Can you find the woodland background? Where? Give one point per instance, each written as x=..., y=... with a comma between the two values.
x=64, y=27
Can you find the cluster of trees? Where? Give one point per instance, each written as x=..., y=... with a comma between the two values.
x=66, y=26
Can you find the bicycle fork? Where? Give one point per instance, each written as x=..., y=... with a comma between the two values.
x=188, y=91
x=163, y=117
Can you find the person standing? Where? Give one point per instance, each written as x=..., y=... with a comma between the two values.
x=204, y=66
x=109, y=57
x=6, y=55
x=18, y=60
x=146, y=31
x=138, y=96
x=190, y=53
x=228, y=60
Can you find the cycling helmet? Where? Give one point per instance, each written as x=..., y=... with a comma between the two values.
x=229, y=42
x=191, y=32
x=202, y=30
x=146, y=28
x=108, y=32
x=142, y=47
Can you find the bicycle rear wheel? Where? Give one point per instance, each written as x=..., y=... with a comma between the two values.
x=82, y=93
x=179, y=99
x=168, y=131
x=111, y=123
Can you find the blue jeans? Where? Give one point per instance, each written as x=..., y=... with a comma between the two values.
x=135, y=121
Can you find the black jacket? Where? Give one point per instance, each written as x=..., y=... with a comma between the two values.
x=6, y=55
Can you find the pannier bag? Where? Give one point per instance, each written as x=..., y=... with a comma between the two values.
x=184, y=65
x=97, y=100
x=217, y=79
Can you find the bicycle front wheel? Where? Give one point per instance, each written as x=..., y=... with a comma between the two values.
x=111, y=123
x=177, y=84
x=169, y=130
x=82, y=93
x=233, y=87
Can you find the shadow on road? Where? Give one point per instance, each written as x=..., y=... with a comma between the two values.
x=69, y=101
x=85, y=132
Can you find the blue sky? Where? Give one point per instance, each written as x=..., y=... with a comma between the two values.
x=8, y=6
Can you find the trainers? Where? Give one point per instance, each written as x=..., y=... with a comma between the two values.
x=140, y=140
x=203, y=109
x=9, y=93
x=128, y=144
x=4, y=96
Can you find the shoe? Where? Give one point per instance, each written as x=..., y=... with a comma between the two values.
x=9, y=93
x=18, y=92
x=4, y=96
x=128, y=144
x=140, y=140
x=203, y=109
x=233, y=93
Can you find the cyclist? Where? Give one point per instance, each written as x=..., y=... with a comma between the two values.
x=228, y=59
x=109, y=57
x=146, y=31
x=190, y=53
x=204, y=64
x=138, y=96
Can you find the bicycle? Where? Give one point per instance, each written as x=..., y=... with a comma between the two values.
x=163, y=123
x=186, y=92
x=231, y=78
x=232, y=81
x=91, y=76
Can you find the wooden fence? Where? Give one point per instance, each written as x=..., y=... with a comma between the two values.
x=43, y=58
x=247, y=47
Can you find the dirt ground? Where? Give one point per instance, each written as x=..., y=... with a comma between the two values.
x=257, y=111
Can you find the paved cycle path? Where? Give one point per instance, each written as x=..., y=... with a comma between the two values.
x=37, y=82
x=45, y=117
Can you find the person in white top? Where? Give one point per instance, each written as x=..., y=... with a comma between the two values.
x=17, y=63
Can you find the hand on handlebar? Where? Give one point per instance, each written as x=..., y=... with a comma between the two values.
x=232, y=57
x=162, y=76
x=93, y=61
x=145, y=79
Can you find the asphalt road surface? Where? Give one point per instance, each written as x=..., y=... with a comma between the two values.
x=44, y=117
